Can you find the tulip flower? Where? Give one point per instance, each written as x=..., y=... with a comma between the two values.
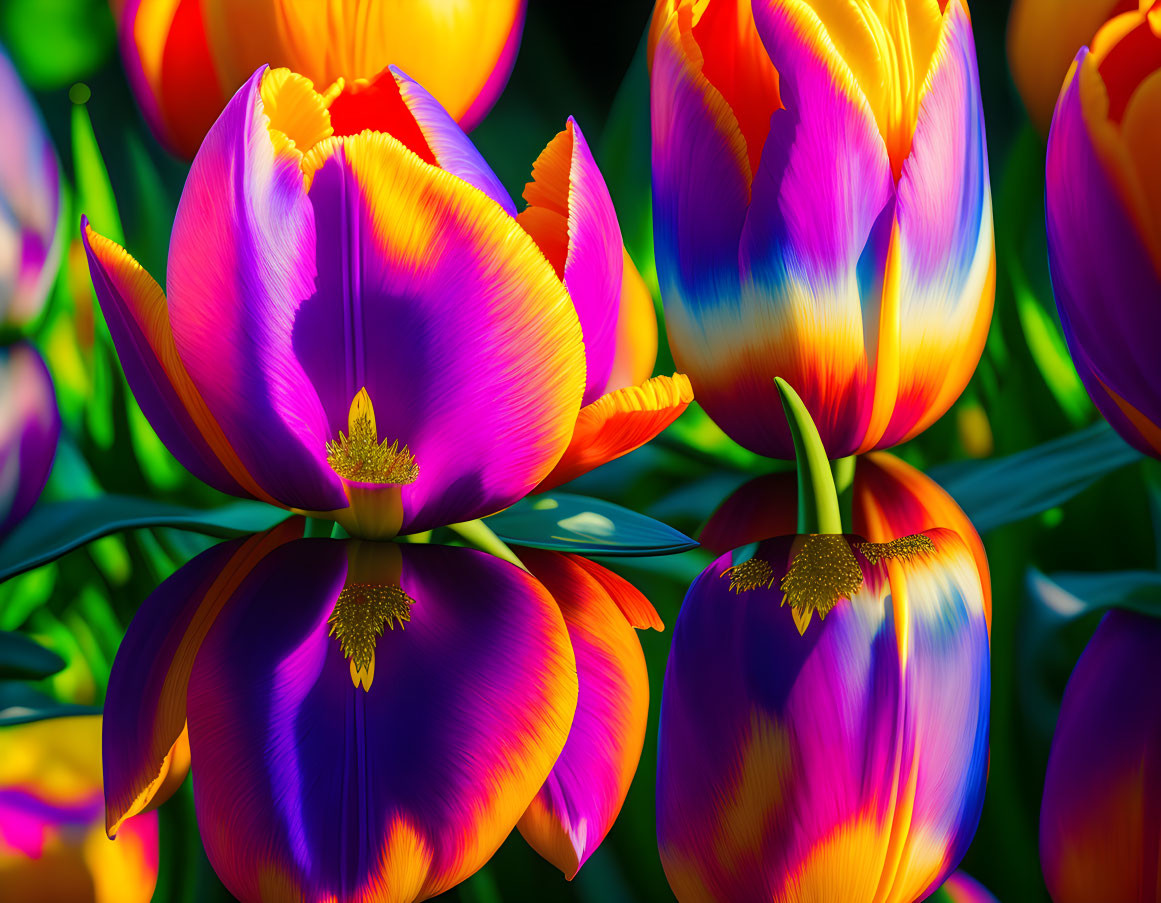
x=369, y=720
x=1103, y=203
x=821, y=212
x=963, y=888
x=186, y=58
x=1100, y=825
x=890, y=499
x=29, y=428
x=52, y=843
x=29, y=205
x=841, y=757
x=359, y=326
x=1043, y=38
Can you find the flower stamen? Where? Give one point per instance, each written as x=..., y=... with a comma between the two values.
x=360, y=457
x=823, y=571
x=361, y=613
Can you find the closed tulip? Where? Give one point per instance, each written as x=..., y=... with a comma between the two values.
x=837, y=757
x=186, y=58
x=821, y=212
x=53, y=847
x=370, y=720
x=29, y=429
x=352, y=297
x=1100, y=820
x=1103, y=204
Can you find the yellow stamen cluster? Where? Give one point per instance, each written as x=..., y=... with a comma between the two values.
x=360, y=456
x=824, y=571
x=361, y=613
x=748, y=575
x=904, y=548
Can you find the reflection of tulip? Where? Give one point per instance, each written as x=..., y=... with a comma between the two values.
x=185, y=58
x=358, y=324
x=52, y=846
x=29, y=204
x=1043, y=37
x=829, y=222
x=1100, y=821
x=29, y=427
x=375, y=718
x=842, y=758
x=891, y=498
x=1103, y=200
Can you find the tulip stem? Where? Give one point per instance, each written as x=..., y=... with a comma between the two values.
x=481, y=536
x=818, y=505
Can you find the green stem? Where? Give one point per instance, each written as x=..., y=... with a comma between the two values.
x=481, y=536
x=844, y=483
x=818, y=506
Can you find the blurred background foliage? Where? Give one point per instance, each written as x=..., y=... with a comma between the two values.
x=585, y=60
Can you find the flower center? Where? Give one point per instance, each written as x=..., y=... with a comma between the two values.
x=360, y=615
x=360, y=457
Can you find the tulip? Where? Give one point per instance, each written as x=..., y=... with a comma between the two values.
x=29, y=205
x=52, y=846
x=890, y=498
x=29, y=428
x=842, y=758
x=186, y=58
x=1100, y=825
x=821, y=212
x=963, y=888
x=1103, y=204
x=359, y=326
x=369, y=720
x=1043, y=38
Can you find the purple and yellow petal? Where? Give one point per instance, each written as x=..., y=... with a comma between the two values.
x=579, y=802
x=617, y=423
x=146, y=749
x=845, y=763
x=506, y=369
x=242, y=264
x=636, y=346
x=52, y=841
x=138, y=317
x=963, y=888
x=312, y=788
x=29, y=204
x=571, y=218
x=1100, y=819
x=29, y=428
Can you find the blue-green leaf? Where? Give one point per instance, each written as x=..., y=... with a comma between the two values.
x=53, y=529
x=577, y=523
x=1005, y=490
x=22, y=658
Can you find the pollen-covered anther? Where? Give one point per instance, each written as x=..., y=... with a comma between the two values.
x=752, y=574
x=361, y=613
x=824, y=571
x=359, y=456
x=904, y=548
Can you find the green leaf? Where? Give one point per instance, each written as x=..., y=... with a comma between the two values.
x=20, y=703
x=1067, y=596
x=1005, y=490
x=22, y=658
x=577, y=523
x=53, y=529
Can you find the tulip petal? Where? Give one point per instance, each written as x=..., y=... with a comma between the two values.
x=846, y=763
x=135, y=309
x=29, y=429
x=636, y=350
x=311, y=788
x=579, y=802
x=638, y=610
x=1108, y=312
x=617, y=423
x=701, y=183
x=571, y=218
x=822, y=199
x=241, y=262
x=1099, y=821
x=963, y=888
x=144, y=740
x=439, y=304
x=947, y=247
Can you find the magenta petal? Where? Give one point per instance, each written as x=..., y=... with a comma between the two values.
x=1107, y=288
x=452, y=149
x=241, y=261
x=310, y=788
x=29, y=428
